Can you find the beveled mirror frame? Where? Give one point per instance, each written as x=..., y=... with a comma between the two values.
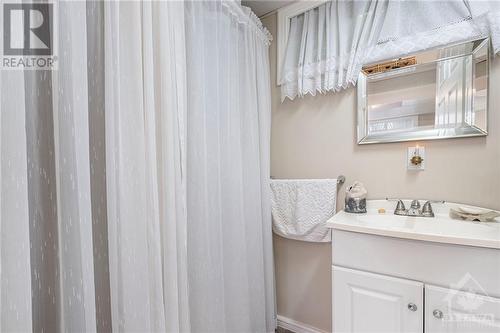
x=363, y=137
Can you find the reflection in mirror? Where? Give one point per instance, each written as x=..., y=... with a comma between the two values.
x=480, y=88
x=439, y=93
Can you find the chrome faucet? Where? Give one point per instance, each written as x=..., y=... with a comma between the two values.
x=415, y=210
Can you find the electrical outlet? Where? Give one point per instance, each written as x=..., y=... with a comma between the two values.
x=416, y=158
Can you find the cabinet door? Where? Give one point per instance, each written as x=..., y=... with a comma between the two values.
x=449, y=310
x=367, y=302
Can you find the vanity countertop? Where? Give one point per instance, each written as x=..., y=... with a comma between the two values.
x=441, y=228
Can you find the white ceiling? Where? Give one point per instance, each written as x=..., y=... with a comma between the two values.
x=262, y=7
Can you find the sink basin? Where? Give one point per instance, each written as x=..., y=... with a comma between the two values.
x=440, y=228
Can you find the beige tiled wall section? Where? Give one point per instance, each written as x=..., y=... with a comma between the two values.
x=314, y=137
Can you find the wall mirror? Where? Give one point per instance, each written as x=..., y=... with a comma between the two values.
x=436, y=94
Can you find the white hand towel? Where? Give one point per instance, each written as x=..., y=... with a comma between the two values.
x=300, y=208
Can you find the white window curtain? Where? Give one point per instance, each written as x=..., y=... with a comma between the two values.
x=412, y=26
x=134, y=179
x=328, y=44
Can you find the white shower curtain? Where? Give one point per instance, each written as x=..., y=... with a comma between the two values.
x=134, y=179
x=188, y=208
x=15, y=277
x=46, y=265
x=228, y=204
x=145, y=140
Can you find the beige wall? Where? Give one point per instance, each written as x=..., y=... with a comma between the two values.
x=314, y=137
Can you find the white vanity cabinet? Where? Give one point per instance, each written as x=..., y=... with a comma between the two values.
x=448, y=310
x=403, y=274
x=367, y=302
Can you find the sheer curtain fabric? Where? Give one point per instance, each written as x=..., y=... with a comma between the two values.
x=46, y=267
x=228, y=137
x=15, y=268
x=187, y=135
x=146, y=228
x=328, y=44
x=412, y=26
x=134, y=179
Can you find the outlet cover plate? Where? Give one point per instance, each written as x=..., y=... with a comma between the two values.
x=412, y=151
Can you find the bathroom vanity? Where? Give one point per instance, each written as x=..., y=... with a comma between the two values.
x=414, y=274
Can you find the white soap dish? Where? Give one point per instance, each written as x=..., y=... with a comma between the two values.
x=473, y=210
x=473, y=214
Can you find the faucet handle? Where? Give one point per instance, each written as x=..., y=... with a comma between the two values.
x=400, y=208
x=415, y=204
x=427, y=209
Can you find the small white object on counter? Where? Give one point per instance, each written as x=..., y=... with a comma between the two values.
x=440, y=228
x=473, y=210
x=473, y=214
